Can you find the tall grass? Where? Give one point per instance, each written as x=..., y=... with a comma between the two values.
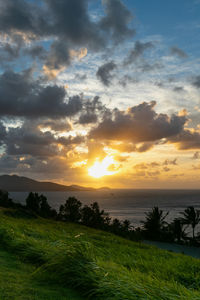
x=98, y=264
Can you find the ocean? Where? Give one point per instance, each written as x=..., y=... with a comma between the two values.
x=126, y=204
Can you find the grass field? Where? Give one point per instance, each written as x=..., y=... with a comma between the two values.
x=42, y=259
x=16, y=282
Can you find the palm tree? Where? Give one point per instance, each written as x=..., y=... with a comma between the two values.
x=177, y=230
x=191, y=217
x=155, y=222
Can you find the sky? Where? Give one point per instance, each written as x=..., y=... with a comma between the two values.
x=101, y=93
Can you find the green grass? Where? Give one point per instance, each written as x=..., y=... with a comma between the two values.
x=16, y=282
x=97, y=264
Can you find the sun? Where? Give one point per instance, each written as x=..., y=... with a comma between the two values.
x=101, y=168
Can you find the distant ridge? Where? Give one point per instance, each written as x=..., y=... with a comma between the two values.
x=14, y=183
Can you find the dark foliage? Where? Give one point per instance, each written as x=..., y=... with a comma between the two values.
x=154, y=226
x=5, y=201
x=92, y=216
x=177, y=231
x=191, y=217
x=71, y=210
x=39, y=205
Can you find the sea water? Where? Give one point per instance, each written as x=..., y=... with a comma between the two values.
x=124, y=203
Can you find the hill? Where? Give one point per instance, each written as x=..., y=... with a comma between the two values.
x=97, y=264
x=14, y=183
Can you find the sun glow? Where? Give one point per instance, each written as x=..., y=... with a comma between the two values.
x=102, y=168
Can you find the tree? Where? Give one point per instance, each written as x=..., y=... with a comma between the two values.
x=45, y=209
x=116, y=226
x=39, y=205
x=33, y=202
x=92, y=216
x=126, y=225
x=5, y=201
x=154, y=225
x=71, y=210
x=191, y=217
x=177, y=230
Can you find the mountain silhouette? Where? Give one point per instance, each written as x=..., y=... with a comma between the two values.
x=14, y=183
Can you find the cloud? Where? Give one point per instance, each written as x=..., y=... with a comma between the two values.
x=2, y=133
x=56, y=125
x=71, y=21
x=147, y=169
x=104, y=73
x=19, y=15
x=129, y=147
x=88, y=118
x=178, y=52
x=80, y=77
x=127, y=79
x=137, y=51
x=196, y=155
x=58, y=58
x=33, y=167
x=37, y=51
x=22, y=96
x=186, y=140
x=196, y=81
x=139, y=124
x=29, y=139
x=92, y=110
x=66, y=20
x=178, y=89
x=168, y=162
x=116, y=20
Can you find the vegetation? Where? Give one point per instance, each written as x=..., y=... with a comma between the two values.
x=191, y=217
x=154, y=227
x=17, y=282
x=96, y=263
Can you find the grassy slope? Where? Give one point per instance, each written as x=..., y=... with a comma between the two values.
x=16, y=282
x=99, y=264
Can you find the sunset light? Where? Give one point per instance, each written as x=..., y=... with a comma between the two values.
x=101, y=168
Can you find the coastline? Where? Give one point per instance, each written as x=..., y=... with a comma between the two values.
x=186, y=250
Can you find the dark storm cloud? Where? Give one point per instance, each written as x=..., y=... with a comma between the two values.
x=2, y=133
x=67, y=141
x=17, y=15
x=147, y=67
x=21, y=96
x=67, y=20
x=116, y=20
x=137, y=52
x=70, y=19
x=88, y=118
x=56, y=125
x=104, y=72
x=178, y=89
x=187, y=140
x=12, y=52
x=140, y=124
x=196, y=81
x=92, y=111
x=36, y=52
x=178, y=52
x=126, y=79
x=30, y=140
x=80, y=77
x=32, y=165
x=57, y=58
